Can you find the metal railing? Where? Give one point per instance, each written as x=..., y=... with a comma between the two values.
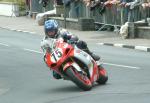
x=113, y=15
x=116, y=15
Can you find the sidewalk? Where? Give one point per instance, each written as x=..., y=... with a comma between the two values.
x=25, y=24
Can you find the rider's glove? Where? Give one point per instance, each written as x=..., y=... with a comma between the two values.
x=65, y=37
x=73, y=40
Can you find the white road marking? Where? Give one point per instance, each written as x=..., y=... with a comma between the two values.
x=118, y=45
x=32, y=50
x=118, y=65
x=141, y=48
x=4, y=44
x=125, y=66
x=32, y=32
x=19, y=30
x=100, y=43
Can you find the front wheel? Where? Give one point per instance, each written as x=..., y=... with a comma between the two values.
x=80, y=79
x=103, y=77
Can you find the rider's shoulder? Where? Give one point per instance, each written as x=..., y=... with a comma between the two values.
x=62, y=30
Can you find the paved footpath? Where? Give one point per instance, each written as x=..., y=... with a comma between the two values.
x=26, y=24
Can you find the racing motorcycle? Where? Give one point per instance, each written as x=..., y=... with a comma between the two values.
x=72, y=63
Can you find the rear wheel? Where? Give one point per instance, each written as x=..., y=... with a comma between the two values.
x=103, y=77
x=79, y=78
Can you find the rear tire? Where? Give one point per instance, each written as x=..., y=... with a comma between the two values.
x=103, y=78
x=81, y=80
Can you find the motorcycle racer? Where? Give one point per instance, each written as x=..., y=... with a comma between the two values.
x=53, y=32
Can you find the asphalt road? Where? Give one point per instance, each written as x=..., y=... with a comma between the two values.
x=24, y=78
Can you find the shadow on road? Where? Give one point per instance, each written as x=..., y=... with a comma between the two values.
x=62, y=89
x=71, y=88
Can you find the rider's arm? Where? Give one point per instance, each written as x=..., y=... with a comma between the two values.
x=45, y=45
x=66, y=35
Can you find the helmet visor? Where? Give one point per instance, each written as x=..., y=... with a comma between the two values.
x=51, y=33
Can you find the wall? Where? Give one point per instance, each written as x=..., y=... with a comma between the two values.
x=82, y=24
x=9, y=9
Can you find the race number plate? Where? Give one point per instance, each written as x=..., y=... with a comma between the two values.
x=56, y=55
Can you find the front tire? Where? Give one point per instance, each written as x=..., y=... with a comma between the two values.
x=103, y=77
x=81, y=80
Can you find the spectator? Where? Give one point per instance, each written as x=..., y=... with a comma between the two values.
x=27, y=2
x=145, y=7
x=108, y=3
x=44, y=3
x=97, y=4
x=145, y=4
x=111, y=2
x=124, y=11
x=115, y=2
x=58, y=2
x=132, y=4
x=132, y=9
x=87, y=2
x=75, y=9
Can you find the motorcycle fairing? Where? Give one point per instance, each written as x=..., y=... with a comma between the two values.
x=86, y=59
x=73, y=64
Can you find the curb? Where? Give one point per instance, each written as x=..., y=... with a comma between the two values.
x=142, y=48
x=18, y=30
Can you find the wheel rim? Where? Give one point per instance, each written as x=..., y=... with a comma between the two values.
x=82, y=77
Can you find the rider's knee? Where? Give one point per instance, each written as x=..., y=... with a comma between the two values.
x=82, y=44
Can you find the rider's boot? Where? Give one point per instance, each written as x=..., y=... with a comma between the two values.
x=94, y=56
x=83, y=45
x=56, y=75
